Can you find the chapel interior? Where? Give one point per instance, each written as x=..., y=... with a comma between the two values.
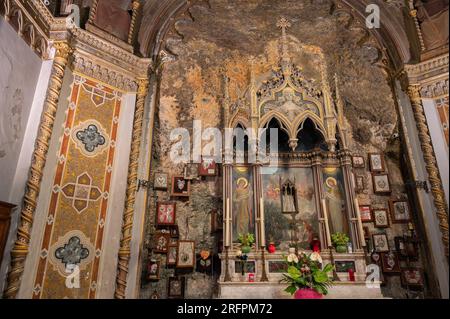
x=100, y=198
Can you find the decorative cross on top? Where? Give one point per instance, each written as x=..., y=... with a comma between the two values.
x=283, y=24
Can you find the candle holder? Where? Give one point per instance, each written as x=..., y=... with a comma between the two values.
x=227, y=277
x=335, y=276
x=264, y=277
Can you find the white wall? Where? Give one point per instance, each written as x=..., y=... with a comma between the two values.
x=426, y=200
x=23, y=85
x=439, y=143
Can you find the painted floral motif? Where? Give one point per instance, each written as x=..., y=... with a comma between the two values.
x=91, y=138
x=73, y=252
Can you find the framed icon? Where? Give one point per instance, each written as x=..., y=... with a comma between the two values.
x=153, y=270
x=401, y=212
x=166, y=214
x=207, y=167
x=380, y=217
x=407, y=247
x=176, y=286
x=377, y=162
x=412, y=277
x=380, y=243
x=390, y=263
x=161, y=181
x=161, y=242
x=181, y=187
x=191, y=171
x=366, y=213
x=358, y=161
x=172, y=255
x=381, y=184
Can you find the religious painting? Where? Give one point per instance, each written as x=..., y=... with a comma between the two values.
x=181, y=187
x=345, y=266
x=300, y=226
x=407, y=248
x=288, y=197
x=113, y=16
x=381, y=184
x=400, y=211
x=161, y=181
x=176, y=287
x=390, y=263
x=174, y=232
x=366, y=213
x=172, y=255
x=334, y=193
x=161, y=242
x=216, y=221
x=207, y=167
x=380, y=218
x=243, y=212
x=166, y=213
x=360, y=183
x=358, y=161
x=412, y=277
x=377, y=163
x=191, y=171
x=380, y=243
x=186, y=254
x=153, y=270
x=204, y=262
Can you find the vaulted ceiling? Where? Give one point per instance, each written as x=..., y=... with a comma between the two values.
x=161, y=20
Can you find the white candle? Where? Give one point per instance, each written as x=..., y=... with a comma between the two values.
x=327, y=226
x=261, y=221
x=360, y=226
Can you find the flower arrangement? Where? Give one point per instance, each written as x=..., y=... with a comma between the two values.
x=246, y=241
x=340, y=241
x=305, y=274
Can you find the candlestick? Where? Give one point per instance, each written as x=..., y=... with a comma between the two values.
x=227, y=229
x=261, y=221
x=327, y=226
x=360, y=226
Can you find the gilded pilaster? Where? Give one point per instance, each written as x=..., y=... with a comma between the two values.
x=21, y=246
x=127, y=226
x=430, y=162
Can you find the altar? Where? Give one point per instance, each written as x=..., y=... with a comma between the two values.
x=299, y=198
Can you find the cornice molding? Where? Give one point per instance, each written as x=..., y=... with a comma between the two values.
x=431, y=76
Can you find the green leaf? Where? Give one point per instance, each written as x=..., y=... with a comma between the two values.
x=291, y=289
x=293, y=271
x=328, y=268
x=320, y=277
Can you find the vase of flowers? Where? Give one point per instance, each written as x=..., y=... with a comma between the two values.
x=306, y=277
x=340, y=242
x=246, y=241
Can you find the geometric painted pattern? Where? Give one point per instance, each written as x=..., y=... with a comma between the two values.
x=82, y=192
x=73, y=252
x=79, y=200
x=91, y=138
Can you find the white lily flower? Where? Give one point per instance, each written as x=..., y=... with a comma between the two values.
x=315, y=256
x=239, y=253
x=292, y=258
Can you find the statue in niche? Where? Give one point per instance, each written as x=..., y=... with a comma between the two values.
x=288, y=197
x=433, y=18
x=243, y=221
x=289, y=103
x=114, y=17
x=336, y=202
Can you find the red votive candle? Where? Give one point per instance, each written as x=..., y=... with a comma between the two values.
x=351, y=275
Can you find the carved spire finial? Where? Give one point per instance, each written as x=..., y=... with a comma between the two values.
x=284, y=24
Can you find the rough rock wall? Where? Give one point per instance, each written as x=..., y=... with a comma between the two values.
x=222, y=40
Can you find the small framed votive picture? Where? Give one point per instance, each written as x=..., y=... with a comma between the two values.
x=381, y=184
x=377, y=163
x=400, y=210
x=380, y=243
x=380, y=217
x=181, y=187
